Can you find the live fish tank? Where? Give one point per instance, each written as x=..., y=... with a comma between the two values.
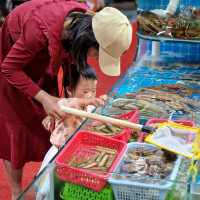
x=166, y=87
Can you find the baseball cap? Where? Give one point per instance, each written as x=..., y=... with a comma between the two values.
x=113, y=32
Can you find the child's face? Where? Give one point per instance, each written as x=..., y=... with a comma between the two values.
x=86, y=88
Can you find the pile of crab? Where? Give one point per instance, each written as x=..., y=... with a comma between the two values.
x=184, y=25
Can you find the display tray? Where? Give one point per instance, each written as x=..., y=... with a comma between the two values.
x=143, y=36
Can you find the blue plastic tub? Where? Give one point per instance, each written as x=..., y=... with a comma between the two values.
x=125, y=189
x=190, y=51
x=162, y=4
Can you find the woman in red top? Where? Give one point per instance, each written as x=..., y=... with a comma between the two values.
x=36, y=38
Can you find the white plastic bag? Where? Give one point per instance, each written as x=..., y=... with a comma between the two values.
x=174, y=139
x=43, y=184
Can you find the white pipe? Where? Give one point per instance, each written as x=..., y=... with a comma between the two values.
x=172, y=6
x=102, y=118
x=155, y=52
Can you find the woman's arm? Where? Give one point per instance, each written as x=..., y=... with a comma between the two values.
x=29, y=43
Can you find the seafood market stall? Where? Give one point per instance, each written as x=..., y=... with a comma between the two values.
x=97, y=163
x=167, y=89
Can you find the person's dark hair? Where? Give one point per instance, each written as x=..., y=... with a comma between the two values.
x=72, y=76
x=3, y=12
x=78, y=37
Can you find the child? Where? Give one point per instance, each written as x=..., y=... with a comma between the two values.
x=79, y=85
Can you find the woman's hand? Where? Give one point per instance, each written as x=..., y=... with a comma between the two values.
x=104, y=97
x=82, y=103
x=50, y=105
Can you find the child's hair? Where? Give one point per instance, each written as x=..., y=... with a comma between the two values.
x=72, y=76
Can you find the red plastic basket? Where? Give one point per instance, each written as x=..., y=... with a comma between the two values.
x=160, y=120
x=125, y=134
x=82, y=141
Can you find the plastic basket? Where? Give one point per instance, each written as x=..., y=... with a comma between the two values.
x=80, y=144
x=125, y=133
x=77, y=192
x=159, y=120
x=133, y=190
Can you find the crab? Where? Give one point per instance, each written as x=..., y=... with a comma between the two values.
x=186, y=28
x=186, y=25
x=150, y=22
